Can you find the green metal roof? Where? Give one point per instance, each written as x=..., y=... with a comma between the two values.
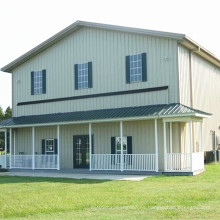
x=161, y=111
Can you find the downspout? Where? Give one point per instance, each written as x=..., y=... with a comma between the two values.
x=191, y=89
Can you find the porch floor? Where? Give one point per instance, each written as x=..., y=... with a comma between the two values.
x=82, y=174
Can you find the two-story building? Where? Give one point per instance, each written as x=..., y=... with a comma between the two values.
x=105, y=97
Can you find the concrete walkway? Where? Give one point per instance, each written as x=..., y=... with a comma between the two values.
x=76, y=175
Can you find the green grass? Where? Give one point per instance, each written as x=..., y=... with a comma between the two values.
x=162, y=197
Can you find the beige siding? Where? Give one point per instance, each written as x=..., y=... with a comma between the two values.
x=23, y=142
x=149, y=98
x=184, y=75
x=142, y=132
x=107, y=51
x=206, y=95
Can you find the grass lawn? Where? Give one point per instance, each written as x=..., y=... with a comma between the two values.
x=162, y=197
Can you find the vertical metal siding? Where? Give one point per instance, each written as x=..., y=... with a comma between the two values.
x=206, y=95
x=107, y=50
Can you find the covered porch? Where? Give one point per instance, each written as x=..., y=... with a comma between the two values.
x=158, y=153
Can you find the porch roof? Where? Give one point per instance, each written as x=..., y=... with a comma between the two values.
x=148, y=111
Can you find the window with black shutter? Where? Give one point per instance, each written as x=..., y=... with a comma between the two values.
x=49, y=146
x=83, y=75
x=38, y=82
x=136, y=68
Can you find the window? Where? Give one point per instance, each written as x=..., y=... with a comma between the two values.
x=49, y=146
x=116, y=149
x=38, y=82
x=83, y=75
x=136, y=68
x=118, y=145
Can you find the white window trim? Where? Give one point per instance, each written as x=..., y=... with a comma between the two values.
x=119, y=151
x=49, y=145
x=135, y=68
x=38, y=85
x=84, y=75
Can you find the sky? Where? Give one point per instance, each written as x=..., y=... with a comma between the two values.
x=26, y=23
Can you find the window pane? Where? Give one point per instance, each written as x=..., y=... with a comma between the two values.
x=83, y=75
x=118, y=145
x=38, y=81
x=135, y=68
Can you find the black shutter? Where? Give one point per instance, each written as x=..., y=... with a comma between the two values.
x=127, y=69
x=55, y=146
x=44, y=81
x=144, y=67
x=129, y=149
x=32, y=83
x=92, y=144
x=113, y=151
x=76, y=76
x=113, y=145
x=89, y=74
x=43, y=147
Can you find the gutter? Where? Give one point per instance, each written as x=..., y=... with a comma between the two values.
x=198, y=49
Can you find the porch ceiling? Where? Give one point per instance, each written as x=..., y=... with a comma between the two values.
x=126, y=113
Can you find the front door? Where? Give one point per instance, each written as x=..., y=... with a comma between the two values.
x=81, y=151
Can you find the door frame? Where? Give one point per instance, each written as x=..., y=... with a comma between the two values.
x=84, y=150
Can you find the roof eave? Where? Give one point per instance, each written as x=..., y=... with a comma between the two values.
x=44, y=45
x=75, y=26
x=198, y=49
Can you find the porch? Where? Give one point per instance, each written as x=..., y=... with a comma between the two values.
x=157, y=144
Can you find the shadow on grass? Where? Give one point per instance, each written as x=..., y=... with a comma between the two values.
x=25, y=179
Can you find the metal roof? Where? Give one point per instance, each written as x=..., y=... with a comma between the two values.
x=154, y=111
x=183, y=39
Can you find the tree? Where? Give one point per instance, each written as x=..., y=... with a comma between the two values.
x=3, y=116
x=1, y=134
x=8, y=113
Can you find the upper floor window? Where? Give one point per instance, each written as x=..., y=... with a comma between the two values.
x=136, y=68
x=38, y=82
x=83, y=75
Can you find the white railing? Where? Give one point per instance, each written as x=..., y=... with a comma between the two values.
x=41, y=161
x=105, y=162
x=46, y=161
x=140, y=162
x=2, y=161
x=21, y=161
x=198, y=161
x=134, y=162
x=178, y=162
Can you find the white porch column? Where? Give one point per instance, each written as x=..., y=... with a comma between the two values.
x=10, y=147
x=121, y=136
x=165, y=145
x=33, y=148
x=90, y=146
x=156, y=144
x=58, y=147
x=14, y=143
x=191, y=144
x=171, y=145
x=201, y=136
x=6, y=149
